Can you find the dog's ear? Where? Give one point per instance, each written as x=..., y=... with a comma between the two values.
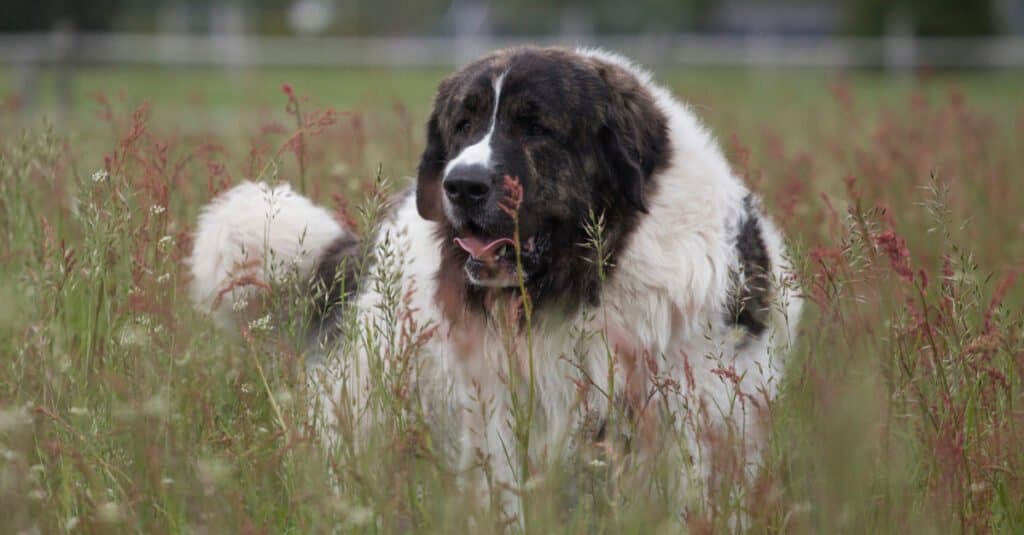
x=428, y=177
x=432, y=162
x=634, y=134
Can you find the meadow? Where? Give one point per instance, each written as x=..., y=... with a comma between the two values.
x=124, y=410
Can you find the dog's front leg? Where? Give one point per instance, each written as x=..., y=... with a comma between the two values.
x=489, y=451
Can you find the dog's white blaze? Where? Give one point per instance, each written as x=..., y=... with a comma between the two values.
x=479, y=153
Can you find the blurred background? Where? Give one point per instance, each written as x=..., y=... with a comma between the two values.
x=46, y=45
x=886, y=137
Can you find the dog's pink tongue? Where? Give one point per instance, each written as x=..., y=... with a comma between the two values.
x=481, y=250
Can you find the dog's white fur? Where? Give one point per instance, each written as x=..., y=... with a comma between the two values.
x=251, y=233
x=666, y=299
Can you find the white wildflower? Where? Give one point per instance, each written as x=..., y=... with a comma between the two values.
x=109, y=512
x=239, y=305
x=71, y=524
x=163, y=278
x=11, y=419
x=134, y=335
x=260, y=324
x=166, y=242
x=124, y=412
x=157, y=209
x=355, y=515
x=284, y=397
x=802, y=508
x=100, y=176
x=360, y=516
x=533, y=483
x=211, y=472
x=340, y=169
x=156, y=405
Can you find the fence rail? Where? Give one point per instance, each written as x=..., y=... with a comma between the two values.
x=897, y=53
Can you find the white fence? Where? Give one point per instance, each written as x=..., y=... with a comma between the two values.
x=896, y=53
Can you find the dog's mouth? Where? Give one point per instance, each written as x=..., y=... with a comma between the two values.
x=493, y=262
x=487, y=251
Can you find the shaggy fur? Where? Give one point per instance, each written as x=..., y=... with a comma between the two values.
x=694, y=293
x=251, y=236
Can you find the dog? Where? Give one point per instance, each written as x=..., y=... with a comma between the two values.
x=575, y=239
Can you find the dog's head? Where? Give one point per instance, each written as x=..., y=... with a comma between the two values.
x=576, y=132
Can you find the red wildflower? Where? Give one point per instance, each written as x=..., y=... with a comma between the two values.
x=896, y=249
x=513, y=196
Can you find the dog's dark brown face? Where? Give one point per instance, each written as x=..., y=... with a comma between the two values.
x=577, y=134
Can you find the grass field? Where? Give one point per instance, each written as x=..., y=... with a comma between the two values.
x=122, y=410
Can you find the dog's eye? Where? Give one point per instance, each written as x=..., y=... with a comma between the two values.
x=462, y=126
x=533, y=128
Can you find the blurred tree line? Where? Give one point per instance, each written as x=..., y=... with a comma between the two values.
x=37, y=15
x=435, y=17
x=603, y=16
x=925, y=17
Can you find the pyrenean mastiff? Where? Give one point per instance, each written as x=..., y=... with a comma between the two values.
x=576, y=242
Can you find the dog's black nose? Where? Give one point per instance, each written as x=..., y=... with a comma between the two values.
x=468, y=186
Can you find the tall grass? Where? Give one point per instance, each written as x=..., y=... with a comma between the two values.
x=121, y=409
